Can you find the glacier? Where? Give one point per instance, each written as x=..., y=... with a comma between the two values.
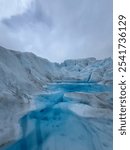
x=55, y=106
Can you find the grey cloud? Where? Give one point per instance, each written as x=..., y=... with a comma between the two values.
x=61, y=29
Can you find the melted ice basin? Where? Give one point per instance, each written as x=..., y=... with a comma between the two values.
x=69, y=117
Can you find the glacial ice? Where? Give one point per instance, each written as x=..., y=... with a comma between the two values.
x=68, y=124
x=25, y=75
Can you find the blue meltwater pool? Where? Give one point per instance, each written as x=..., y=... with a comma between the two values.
x=59, y=123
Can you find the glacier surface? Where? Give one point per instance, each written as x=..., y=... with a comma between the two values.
x=25, y=75
x=67, y=120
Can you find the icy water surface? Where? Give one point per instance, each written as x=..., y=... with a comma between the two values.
x=52, y=127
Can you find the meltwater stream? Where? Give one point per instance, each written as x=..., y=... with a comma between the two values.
x=53, y=126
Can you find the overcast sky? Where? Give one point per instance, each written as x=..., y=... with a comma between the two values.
x=57, y=29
